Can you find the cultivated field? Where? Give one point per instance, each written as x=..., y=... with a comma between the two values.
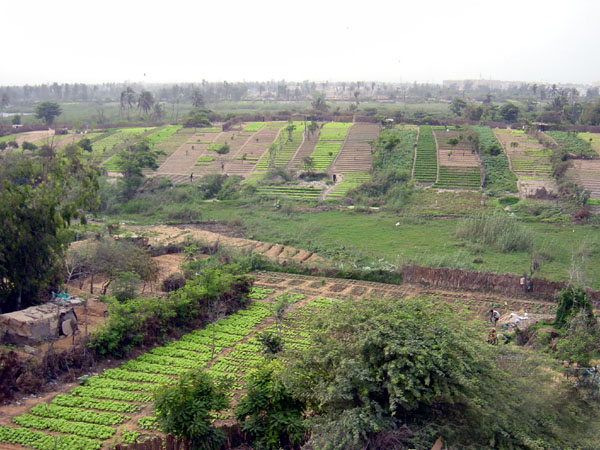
x=116, y=406
x=530, y=161
x=355, y=155
x=458, y=165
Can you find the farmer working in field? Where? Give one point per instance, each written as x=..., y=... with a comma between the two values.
x=494, y=316
x=492, y=338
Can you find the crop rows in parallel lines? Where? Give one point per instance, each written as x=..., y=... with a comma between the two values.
x=350, y=181
x=295, y=329
x=456, y=177
x=287, y=150
x=331, y=139
x=297, y=192
x=425, y=169
x=92, y=413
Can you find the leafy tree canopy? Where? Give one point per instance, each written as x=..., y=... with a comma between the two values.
x=410, y=371
x=39, y=195
x=48, y=111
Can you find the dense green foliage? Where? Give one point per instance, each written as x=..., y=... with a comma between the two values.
x=499, y=177
x=147, y=320
x=407, y=372
x=395, y=150
x=39, y=196
x=184, y=410
x=48, y=111
x=497, y=230
x=573, y=143
x=268, y=412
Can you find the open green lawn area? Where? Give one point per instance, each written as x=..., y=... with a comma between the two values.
x=425, y=235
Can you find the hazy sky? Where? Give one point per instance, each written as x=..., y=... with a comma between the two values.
x=130, y=40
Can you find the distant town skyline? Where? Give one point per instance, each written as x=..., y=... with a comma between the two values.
x=67, y=41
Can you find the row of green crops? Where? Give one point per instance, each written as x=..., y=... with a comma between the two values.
x=286, y=148
x=499, y=177
x=334, y=131
x=254, y=126
x=425, y=169
x=297, y=192
x=324, y=154
x=109, y=144
x=204, y=161
x=350, y=181
x=93, y=413
x=163, y=134
x=572, y=143
x=452, y=177
x=208, y=130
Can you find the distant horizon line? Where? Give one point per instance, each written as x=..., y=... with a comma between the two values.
x=319, y=81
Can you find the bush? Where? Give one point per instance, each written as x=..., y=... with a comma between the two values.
x=185, y=409
x=268, y=413
x=28, y=146
x=497, y=230
x=126, y=286
x=173, y=282
x=379, y=366
x=150, y=320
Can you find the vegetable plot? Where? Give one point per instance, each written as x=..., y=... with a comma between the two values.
x=425, y=169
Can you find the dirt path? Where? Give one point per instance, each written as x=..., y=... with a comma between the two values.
x=162, y=235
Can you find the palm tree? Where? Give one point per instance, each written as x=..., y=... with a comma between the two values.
x=158, y=112
x=145, y=101
x=127, y=100
x=197, y=99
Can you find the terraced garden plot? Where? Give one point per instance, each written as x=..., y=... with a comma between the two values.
x=425, y=169
x=351, y=180
x=117, y=404
x=296, y=192
x=275, y=125
x=334, y=131
x=306, y=149
x=287, y=150
x=402, y=156
x=586, y=173
x=169, y=145
x=253, y=127
x=355, y=155
x=593, y=139
x=90, y=415
x=255, y=147
x=499, y=177
x=109, y=145
x=458, y=177
x=182, y=162
x=324, y=154
x=529, y=159
x=573, y=143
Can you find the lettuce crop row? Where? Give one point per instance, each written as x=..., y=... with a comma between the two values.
x=90, y=403
x=112, y=394
x=65, y=426
x=43, y=441
x=77, y=414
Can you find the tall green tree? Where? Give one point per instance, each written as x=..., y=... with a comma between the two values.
x=131, y=160
x=48, y=111
x=458, y=105
x=197, y=99
x=40, y=195
x=145, y=101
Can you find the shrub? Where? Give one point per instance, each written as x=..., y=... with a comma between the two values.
x=185, y=409
x=126, y=286
x=497, y=230
x=173, y=282
x=269, y=413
